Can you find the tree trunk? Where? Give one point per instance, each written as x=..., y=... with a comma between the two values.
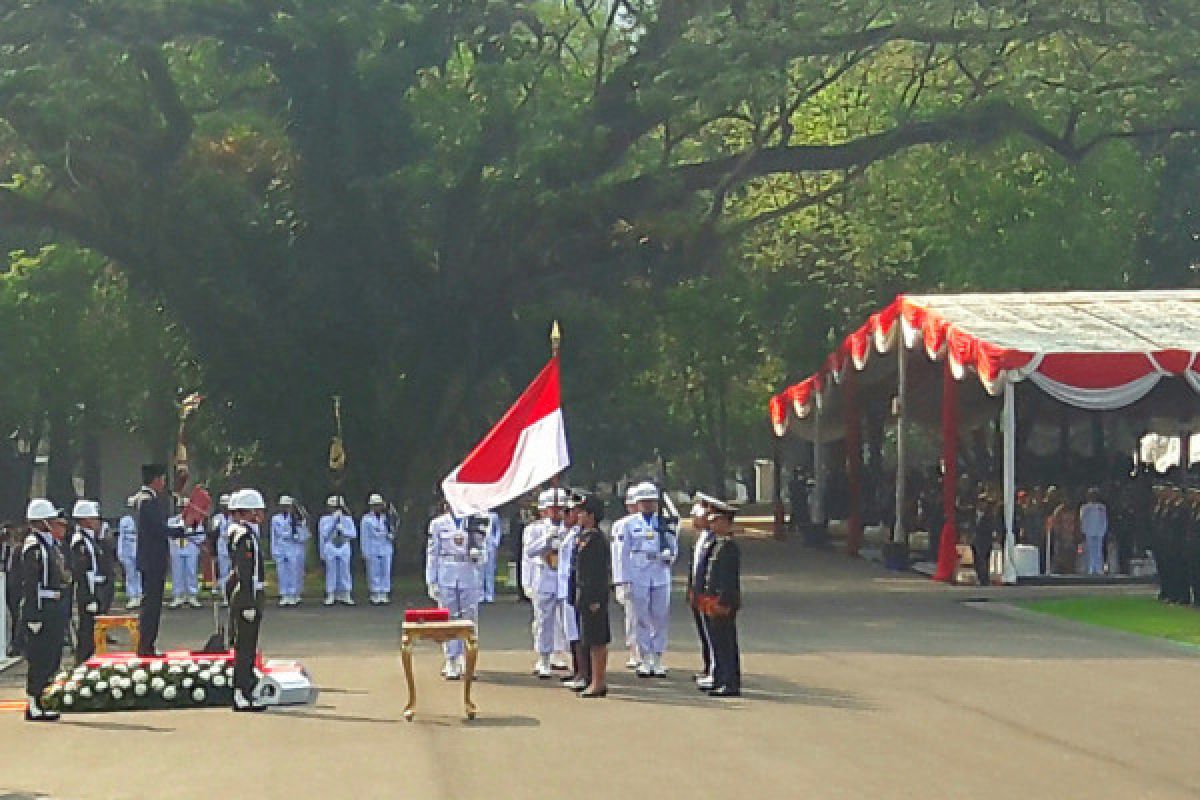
x=59, y=486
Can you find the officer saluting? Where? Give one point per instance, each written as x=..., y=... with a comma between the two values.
x=454, y=557
x=245, y=592
x=43, y=605
x=701, y=551
x=92, y=572
x=720, y=599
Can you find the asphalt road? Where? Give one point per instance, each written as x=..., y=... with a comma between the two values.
x=858, y=684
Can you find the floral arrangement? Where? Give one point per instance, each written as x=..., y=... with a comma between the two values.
x=141, y=685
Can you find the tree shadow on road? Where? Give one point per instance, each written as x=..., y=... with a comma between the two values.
x=112, y=726
x=321, y=717
x=755, y=689
x=484, y=720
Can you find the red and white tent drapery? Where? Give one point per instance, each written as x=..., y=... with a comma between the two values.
x=1097, y=351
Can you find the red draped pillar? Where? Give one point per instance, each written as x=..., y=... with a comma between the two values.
x=854, y=464
x=948, y=547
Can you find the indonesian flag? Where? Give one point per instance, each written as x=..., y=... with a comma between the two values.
x=526, y=448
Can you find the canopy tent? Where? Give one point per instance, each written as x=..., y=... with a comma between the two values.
x=1093, y=351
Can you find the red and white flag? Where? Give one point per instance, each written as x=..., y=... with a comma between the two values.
x=526, y=448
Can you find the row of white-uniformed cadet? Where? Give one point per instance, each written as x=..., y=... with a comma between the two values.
x=645, y=546
x=289, y=534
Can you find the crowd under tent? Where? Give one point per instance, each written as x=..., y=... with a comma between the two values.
x=1038, y=367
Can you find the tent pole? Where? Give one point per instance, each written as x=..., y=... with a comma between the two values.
x=1010, y=482
x=899, y=534
x=947, y=562
x=854, y=463
x=818, y=500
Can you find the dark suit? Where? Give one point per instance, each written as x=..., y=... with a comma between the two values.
x=244, y=588
x=701, y=554
x=722, y=581
x=589, y=585
x=153, y=555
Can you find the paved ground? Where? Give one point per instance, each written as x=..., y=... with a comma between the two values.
x=859, y=684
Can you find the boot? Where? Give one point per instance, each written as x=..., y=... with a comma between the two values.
x=347, y=600
x=646, y=668
x=660, y=671
x=329, y=599
x=542, y=669
x=35, y=713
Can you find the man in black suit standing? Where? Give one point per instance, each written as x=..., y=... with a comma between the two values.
x=153, y=508
x=721, y=598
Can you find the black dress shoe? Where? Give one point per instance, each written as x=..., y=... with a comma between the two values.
x=725, y=691
x=598, y=693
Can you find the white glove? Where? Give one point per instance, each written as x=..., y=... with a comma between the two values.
x=34, y=627
x=622, y=592
x=91, y=608
x=432, y=591
x=666, y=555
x=475, y=554
x=249, y=614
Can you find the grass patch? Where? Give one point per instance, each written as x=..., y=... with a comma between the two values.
x=1137, y=614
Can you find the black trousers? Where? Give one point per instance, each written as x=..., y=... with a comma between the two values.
x=245, y=646
x=727, y=659
x=983, y=555
x=43, y=650
x=151, y=611
x=85, y=642
x=705, y=640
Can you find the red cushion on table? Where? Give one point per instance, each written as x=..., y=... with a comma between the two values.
x=427, y=615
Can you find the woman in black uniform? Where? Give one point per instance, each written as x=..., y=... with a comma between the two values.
x=592, y=579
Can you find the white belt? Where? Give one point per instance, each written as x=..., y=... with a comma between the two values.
x=259, y=585
x=99, y=579
x=456, y=559
x=49, y=594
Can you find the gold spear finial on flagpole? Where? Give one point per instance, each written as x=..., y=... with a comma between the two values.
x=555, y=338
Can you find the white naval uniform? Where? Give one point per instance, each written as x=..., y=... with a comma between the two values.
x=617, y=542
x=566, y=558
x=127, y=553
x=220, y=523
x=453, y=564
x=378, y=545
x=648, y=572
x=185, y=561
x=494, y=535
x=289, y=547
x=338, y=580
x=546, y=538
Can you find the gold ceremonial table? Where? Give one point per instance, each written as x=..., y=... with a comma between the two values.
x=439, y=632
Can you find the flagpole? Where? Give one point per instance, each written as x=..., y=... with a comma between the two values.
x=555, y=345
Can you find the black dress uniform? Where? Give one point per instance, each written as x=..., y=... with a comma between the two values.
x=44, y=602
x=10, y=562
x=723, y=583
x=701, y=553
x=153, y=555
x=244, y=588
x=91, y=571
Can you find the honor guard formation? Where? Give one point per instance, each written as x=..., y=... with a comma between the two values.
x=61, y=581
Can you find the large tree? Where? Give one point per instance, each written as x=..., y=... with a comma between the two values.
x=385, y=199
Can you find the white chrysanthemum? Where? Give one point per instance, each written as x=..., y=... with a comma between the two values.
x=122, y=668
x=176, y=670
x=170, y=693
x=218, y=681
x=85, y=692
x=188, y=683
x=141, y=676
x=140, y=690
x=68, y=700
x=79, y=672
x=71, y=686
x=158, y=684
x=117, y=694
x=192, y=669
x=204, y=676
x=198, y=695
x=157, y=667
x=93, y=675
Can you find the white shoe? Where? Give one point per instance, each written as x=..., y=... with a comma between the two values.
x=243, y=703
x=386, y=598
x=542, y=669
x=35, y=713
x=706, y=683
x=660, y=671
x=452, y=671
x=575, y=684
x=329, y=599
x=347, y=600
x=176, y=603
x=297, y=599
x=632, y=663
x=194, y=603
x=133, y=602
x=284, y=602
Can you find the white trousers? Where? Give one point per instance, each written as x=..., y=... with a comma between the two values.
x=489, y=576
x=185, y=574
x=337, y=571
x=547, y=620
x=570, y=621
x=1093, y=548
x=289, y=566
x=462, y=604
x=652, y=612
x=379, y=573
x=224, y=566
x=630, y=619
x=133, y=576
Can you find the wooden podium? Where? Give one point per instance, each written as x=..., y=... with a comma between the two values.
x=439, y=632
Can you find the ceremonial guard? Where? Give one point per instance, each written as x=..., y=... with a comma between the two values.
x=649, y=549
x=454, y=557
x=623, y=596
x=44, y=605
x=720, y=598
x=494, y=536
x=185, y=562
x=701, y=551
x=153, y=509
x=220, y=528
x=336, y=530
x=10, y=563
x=127, y=555
x=590, y=582
x=544, y=540
x=577, y=680
x=245, y=590
x=289, y=546
x=92, y=571
x=378, y=545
